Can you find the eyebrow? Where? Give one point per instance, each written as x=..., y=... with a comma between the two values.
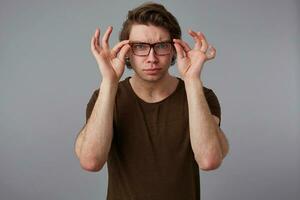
x=137, y=41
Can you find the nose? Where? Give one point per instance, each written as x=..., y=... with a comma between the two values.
x=152, y=58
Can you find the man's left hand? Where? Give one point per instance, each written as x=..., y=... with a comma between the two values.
x=190, y=61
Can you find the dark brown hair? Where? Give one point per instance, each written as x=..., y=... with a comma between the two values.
x=151, y=14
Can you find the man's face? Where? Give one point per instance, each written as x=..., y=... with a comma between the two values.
x=142, y=65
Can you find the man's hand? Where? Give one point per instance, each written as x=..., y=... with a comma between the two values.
x=190, y=61
x=111, y=62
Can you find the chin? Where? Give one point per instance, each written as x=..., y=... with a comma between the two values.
x=151, y=78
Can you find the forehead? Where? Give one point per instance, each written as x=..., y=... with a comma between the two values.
x=148, y=33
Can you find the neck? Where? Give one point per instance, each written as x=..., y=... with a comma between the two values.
x=155, y=90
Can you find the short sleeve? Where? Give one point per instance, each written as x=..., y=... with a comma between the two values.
x=91, y=104
x=213, y=104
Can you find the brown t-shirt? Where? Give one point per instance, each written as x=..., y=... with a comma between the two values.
x=151, y=156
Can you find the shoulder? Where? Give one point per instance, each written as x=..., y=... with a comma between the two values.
x=209, y=92
x=123, y=83
x=205, y=89
x=95, y=93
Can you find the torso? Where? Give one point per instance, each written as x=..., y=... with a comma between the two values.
x=153, y=95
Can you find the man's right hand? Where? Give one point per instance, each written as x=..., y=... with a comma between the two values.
x=111, y=62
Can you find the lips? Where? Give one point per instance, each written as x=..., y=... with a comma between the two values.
x=152, y=71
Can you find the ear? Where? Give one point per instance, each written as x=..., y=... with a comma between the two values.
x=127, y=59
x=127, y=62
x=174, y=56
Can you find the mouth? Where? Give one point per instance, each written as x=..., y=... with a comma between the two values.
x=152, y=71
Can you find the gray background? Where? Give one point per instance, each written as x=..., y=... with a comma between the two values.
x=48, y=75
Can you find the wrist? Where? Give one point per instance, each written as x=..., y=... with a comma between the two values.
x=109, y=84
x=191, y=80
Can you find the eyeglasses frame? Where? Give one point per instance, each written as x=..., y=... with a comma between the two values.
x=152, y=46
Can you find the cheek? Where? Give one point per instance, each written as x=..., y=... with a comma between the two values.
x=136, y=59
x=168, y=59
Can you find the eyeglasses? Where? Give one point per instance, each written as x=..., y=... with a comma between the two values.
x=143, y=49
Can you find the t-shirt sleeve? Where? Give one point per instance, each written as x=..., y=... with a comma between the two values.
x=91, y=104
x=213, y=104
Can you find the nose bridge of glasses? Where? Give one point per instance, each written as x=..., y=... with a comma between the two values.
x=155, y=47
x=151, y=48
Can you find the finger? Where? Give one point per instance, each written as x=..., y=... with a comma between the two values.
x=93, y=48
x=185, y=46
x=124, y=49
x=211, y=52
x=97, y=36
x=105, y=38
x=179, y=50
x=94, y=42
x=197, y=40
x=203, y=41
x=118, y=47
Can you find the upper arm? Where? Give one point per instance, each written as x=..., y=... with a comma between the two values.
x=213, y=104
x=222, y=137
x=89, y=109
x=217, y=120
x=78, y=141
x=91, y=104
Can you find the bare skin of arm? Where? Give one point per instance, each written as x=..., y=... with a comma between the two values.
x=208, y=141
x=94, y=140
x=222, y=138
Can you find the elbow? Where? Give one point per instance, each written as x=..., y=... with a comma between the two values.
x=209, y=164
x=91, y=165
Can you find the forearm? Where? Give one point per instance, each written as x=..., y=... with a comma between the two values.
x=98, y=132
x=203, y=131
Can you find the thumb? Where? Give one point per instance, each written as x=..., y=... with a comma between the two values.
x=179, y=50
x=123, y=52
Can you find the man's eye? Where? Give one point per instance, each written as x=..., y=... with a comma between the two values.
x=140, y=46
x=162, y=45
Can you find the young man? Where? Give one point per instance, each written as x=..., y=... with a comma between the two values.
x=154, y=130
